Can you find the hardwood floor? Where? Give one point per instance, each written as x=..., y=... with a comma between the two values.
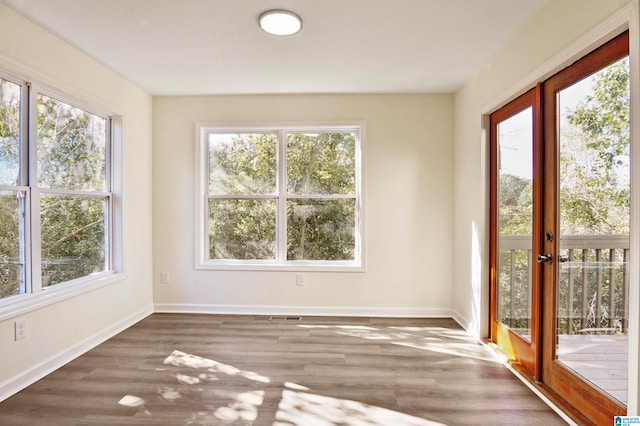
x=179, y=369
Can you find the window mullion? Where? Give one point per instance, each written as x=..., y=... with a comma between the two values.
x=108, y=233
x=242, y=197
x=108, y=157
x=87, y=193
x=24, y=134
x=203, y=196
x=25, y=193
x=281, y=210
x=108, y=188
x=34, y=243
x=23, y=240
x=323, y=197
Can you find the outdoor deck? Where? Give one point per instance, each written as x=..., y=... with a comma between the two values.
x=599, y=358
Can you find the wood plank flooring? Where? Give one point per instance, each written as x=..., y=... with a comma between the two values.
x=182, y=369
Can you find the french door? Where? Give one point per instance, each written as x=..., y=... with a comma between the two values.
x=516, y=202
x=560, y=232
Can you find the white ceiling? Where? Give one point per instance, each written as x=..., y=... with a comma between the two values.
x=182, y=47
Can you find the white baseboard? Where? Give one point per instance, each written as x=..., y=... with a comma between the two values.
x=304, y=310
x=464, y=323
x=28, y=377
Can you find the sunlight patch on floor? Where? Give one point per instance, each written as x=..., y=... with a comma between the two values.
x=182, y=359
x=131, y=401
x=435, y=339
x=300, y=408
x=230, y=407
x=465, y=350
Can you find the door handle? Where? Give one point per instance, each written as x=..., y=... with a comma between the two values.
x=546, y=258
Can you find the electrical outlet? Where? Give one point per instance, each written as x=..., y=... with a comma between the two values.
x=20, y=329
x=164, y=278
x=300, y=280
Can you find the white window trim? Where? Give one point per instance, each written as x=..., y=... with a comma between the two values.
x=37, y=297
x=202, y=262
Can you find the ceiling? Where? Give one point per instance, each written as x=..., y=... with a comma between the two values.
x=191, y=47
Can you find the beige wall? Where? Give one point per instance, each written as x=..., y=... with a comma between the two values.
x=408, y=195
x=58, y=331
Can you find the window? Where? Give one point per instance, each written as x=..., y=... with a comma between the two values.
x=56, y=199
x=279, y=198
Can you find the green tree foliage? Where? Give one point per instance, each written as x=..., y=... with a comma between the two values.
x=242, y=164
x=594, y=162
x=321, y=163
x=318, y=165
x=320, y=229
x=10, y=259
x=9, y=132
x=242, y=229
x=71, y=147
x=515, y=201
x=72, y=238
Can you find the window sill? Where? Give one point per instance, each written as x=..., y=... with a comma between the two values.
x=299, y=266
x=24, y=303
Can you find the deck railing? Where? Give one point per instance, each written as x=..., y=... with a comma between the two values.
x=593, y=283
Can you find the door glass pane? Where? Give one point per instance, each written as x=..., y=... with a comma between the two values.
x=515, y=198
x=593, y=279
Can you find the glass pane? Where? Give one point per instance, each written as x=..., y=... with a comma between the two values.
x=11, y=244
x=593, y=279
x=242, y=164
x=323, y=163
x=9, y=133
x=71, y=147
x=242, y=229
x=321, y=229
x=515, y=215
x=73, y=237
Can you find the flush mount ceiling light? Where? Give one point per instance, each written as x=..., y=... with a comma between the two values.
x=280, y=22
